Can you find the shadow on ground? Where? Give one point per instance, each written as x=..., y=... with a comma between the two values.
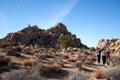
x=59, y=75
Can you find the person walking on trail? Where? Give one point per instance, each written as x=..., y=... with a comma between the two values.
x=108, y=56
x=103, y=56
x=98, y=54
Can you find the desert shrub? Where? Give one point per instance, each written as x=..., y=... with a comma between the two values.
x=55, y=67
x=79, y=76
x=59, y=61
x=34, y=75
x=78, y=64
x=43, y=70
x=71, y=60
x=89, y=60
x=51, y=49
x=113, y=73
x=99, y=74
x=46, y=70
x=43, y=56
x=92, y=49
x=14, y=75
x=82, y=57
x=13, y=65
x=65, y=56
x=115, y=60
x=21, y=75
x=4, y=60
x=13, y=53
x=29, y=62
x=18, y=48
x=4, y=44
x=66, y=41
x=29, y=52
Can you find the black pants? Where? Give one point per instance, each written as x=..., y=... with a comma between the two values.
x=104, y=59
x=98, y=58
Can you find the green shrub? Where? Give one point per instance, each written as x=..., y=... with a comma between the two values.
x=51, y=50
x=4, y=44
x=92, y=49
x=66, y=41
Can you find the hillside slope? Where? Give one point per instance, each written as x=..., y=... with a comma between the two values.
x=47, y=38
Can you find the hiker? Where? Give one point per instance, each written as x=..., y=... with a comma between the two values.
x=103, y=56
x=108, y=56
x=98, y=54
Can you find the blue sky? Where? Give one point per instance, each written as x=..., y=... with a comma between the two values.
x=90, y=20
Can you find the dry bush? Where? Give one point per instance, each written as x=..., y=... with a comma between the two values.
x=4, y=60
x=13, y=65
x=51, y=50
x=59, y=61
x=42, y=69
x=21, y=75
x=4, y=44
x=56, y=54
x=79, y=64
x=29, y=52
x=56, y=61
x=18, y=48
x=99, y=74
x=115, y=60
x=54, y=67
x=14, y=48
x=113, y=73
x=29, y=62
x=13, y=53
x=65, y=56
x=46, y=70
x=82, y=57
x=42, y=56
x=79, y=76
x=14, y=75
x=89, y=60
x=71, y=59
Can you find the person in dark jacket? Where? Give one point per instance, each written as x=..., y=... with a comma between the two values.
x=98, y=53
x=103, y=56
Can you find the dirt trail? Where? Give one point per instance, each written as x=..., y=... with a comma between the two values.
x=88, y=68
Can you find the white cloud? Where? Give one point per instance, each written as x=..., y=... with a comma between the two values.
x=62, y=14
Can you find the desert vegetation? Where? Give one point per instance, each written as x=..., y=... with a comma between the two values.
x=58, y=55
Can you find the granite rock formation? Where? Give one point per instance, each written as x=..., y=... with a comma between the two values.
x=112, y=44
x=47, y=38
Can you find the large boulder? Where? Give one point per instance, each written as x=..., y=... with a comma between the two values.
x=43, y=38
x=112, y=44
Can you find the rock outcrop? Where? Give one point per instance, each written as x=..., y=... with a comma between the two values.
x=47, y=38
x=113, y=44
x=103, y=43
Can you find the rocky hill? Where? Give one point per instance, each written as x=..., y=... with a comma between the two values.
x=113, y=44
x=47, y=38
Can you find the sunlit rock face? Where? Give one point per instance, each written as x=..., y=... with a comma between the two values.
x=35, y=35
x=113, y=44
